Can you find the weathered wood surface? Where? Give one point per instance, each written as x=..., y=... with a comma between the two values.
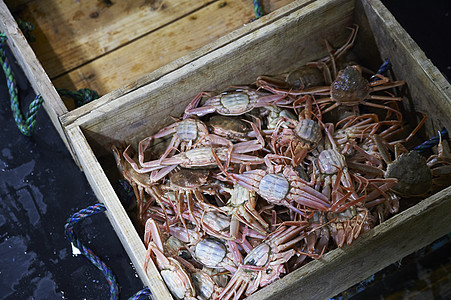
x=387, y=243
x=184, y=60
x=33, y=70
x=284, y=44
x=71, y=33
x=117, y=215
x=104, y=45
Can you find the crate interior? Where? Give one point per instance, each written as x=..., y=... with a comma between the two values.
x=103, y=45
x=282, y=46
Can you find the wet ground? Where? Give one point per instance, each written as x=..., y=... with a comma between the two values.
x=40, y=187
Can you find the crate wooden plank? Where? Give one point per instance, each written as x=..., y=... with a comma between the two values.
x=281, y=45
x=158, y=48
x=71, y=33
x=186, y=59
x=117, y=215
x=33, y=70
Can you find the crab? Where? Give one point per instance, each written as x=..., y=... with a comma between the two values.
x=330, y=175
x=272, y=115
x=350, y=88
x=209, y=251
x=186, y=134
x=316, y=239
x=353, y=128
x=241, y=207
x=232, y=103
x=308, y=78
x=174, y=275
x=281, y=185
x=297, y=82
x=187, y=187
x=204, y=284
x=347, y=225
x=201, y=157
x=299, y=137
x=141, y=183
x=410, y=169
x=233, y=128
x=264, y=263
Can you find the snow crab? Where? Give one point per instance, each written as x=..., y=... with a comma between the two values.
x=299, y=138
x=281, y=185
x=241, y=207
x=350, y=88
x=347, y=225
x=308, y=78
x=264, y=263
x=186, y=134
x=174, y=275
x=232, y=103
x=331, y=177
x=233, y=128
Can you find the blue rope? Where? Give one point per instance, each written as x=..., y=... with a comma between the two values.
x=443, y=134
x=142, y=294
x=258, y=9
x=95, y=260
x=383, y=69
x=27, y=123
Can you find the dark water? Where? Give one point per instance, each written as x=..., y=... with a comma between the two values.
x=40, y=187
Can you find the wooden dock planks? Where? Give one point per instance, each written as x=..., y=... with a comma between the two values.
x=103, y=45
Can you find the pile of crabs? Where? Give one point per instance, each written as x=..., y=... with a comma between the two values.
x=256, y=180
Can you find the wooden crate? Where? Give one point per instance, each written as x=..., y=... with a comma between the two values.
x=288, y=41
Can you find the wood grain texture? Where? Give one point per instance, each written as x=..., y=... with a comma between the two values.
x=104, y=45
x=71, y=33
x=117, y=215
x=282, y=45
x=184, y=60
x=134, y=60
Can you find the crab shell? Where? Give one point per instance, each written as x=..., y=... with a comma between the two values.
x=234, y=103
x=349, y=86
x=413, y=174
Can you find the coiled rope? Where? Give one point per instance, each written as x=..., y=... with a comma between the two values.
x=25, y=124
x=94, y=259
x=80, y=97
